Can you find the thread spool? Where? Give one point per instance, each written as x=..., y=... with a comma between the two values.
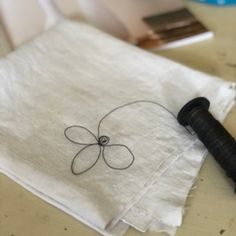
x=214, y=136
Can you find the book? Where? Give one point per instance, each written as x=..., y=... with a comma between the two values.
x=172, y=29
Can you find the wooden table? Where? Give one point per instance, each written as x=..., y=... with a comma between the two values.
x=211, y=206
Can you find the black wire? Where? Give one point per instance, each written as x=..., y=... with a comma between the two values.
x=216, y=138
x=102, y=141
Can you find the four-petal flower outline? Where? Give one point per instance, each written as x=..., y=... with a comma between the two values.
x=102, y=141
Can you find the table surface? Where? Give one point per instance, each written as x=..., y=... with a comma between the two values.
x=211, y=206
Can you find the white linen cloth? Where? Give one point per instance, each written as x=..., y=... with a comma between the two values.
x=75, y=75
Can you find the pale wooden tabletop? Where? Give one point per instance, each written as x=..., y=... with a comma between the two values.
x=211, y=207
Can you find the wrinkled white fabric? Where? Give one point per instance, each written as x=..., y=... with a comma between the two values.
x=75, y=75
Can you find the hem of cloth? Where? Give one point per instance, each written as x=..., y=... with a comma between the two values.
x=143, y=228
x=150, y=181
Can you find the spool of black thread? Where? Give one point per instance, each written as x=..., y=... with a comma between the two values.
x=214, y=136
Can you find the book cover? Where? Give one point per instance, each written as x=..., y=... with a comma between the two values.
x=172, y=29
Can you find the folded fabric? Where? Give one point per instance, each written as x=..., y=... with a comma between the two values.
x=88, y=123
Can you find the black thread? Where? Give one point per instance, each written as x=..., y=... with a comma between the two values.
x=215, y=137
x=103, y=141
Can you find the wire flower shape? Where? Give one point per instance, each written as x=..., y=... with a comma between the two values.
x=102, y=141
